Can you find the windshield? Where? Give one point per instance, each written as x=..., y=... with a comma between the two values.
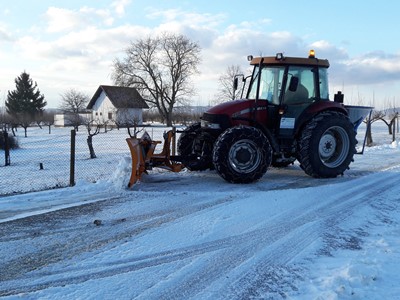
x=270, y=84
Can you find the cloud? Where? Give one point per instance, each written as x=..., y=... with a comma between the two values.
x=60, y=19
x=80, y=45
x=371, y=68
x=186, y=21
x=201, y=28
x=235, y=43
x=187, y=18
x=89, y=46
x=119, y=6
x=368, y=69
x=5, y=35
x=324, y=49
x=65, y=20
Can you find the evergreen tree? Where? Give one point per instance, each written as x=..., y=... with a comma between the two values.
x=26, y=98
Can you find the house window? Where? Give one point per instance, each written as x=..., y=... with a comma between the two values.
x=110, y=115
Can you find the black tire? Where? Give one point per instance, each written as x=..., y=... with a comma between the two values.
x=327, y=145
x=195, y=148
x=242, y=154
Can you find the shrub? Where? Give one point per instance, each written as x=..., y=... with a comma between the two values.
x=12, y=141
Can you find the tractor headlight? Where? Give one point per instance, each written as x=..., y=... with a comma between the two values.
x=208, y=125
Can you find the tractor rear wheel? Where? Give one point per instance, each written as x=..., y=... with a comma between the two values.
x=242, y=154
x=195, y=148
x=327, y=145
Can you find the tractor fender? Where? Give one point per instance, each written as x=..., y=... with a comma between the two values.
x=317, y=108
x=272, y=139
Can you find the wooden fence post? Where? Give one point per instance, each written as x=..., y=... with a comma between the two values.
x=72, y=159
x=173, y=140
x=6, y=148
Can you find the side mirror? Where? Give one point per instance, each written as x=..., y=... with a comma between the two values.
x=293, y=84
x=235, y=83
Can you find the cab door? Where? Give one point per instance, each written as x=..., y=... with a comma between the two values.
x=269, y=92
x=300, y=93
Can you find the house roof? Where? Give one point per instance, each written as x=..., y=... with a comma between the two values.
x=120, y=97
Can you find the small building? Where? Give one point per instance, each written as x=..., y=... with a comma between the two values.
x=71, y=119
x=116, y=105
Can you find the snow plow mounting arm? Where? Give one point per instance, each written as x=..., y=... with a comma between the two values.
x=144, y=158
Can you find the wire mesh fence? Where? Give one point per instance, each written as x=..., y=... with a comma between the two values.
x=43, y=161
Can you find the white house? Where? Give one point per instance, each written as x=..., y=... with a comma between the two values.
x=117, y=105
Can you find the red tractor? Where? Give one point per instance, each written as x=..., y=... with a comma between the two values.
x=285, y=116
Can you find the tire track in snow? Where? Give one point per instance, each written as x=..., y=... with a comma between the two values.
x=281, y=239
x=281, y=242
x=91, y=241
x=252, y=282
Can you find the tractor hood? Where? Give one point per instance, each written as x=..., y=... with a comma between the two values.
x=232, y=107
x=232, y=113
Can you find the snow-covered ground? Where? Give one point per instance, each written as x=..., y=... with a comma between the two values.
x=53, y=152
x=191, y=235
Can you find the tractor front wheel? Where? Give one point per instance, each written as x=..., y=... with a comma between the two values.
x=242, y=154
x=327, y=145
x=195, y=148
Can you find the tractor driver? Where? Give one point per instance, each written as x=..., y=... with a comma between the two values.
x=301, y=94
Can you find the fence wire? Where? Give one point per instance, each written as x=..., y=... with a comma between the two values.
x=42, y=160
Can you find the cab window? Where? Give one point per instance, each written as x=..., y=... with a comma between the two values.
x=323, y=83
x=305, y=91
x=270, y=84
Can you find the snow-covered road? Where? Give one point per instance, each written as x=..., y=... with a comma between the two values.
x=191, y=235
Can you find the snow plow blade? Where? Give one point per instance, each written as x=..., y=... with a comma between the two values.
x=144, y=158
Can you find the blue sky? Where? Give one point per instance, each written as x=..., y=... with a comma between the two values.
x=71, y=44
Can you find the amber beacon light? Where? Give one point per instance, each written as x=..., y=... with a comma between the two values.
x=311, y=54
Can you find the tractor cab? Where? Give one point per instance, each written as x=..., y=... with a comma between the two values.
x=288, y=80
x=288, y=86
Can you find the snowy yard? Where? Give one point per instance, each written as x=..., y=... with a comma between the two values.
x=191, y=235
x=53, y=152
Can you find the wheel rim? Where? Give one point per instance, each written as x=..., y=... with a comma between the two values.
x=244, y=156
x=334, y=146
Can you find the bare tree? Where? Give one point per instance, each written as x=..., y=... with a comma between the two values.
x=225, y=90
x=13, y=123
x=3, y=119
x=48, y=119
x=73, y=101
x=93, y=129
x=389, y=116
x=126, y=120
x=152, y=116
x=161, y=68
x=75, y=120
x=390, y=120
x=375, y=116
x=25, y=120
